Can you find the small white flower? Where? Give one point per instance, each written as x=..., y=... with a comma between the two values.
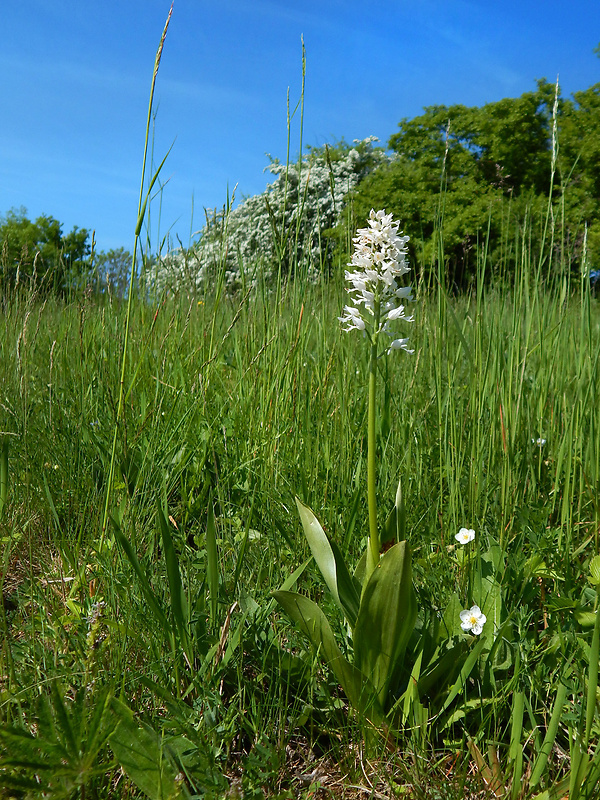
x=472, y=620
x=465, y=535
x=540, y=442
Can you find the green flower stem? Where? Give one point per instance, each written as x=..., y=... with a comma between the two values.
x=373, y=545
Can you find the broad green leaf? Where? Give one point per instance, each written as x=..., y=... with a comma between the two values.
x=466, y=670
x=313, y=623
x=331, y=564
x=467, y=667
x=412, y=690
x=144, y=756
x=320, y=548
x=442, y=669
x=450, y=625
x=386, y=619
x=487, y=592
x=587, y=619
x=595, y=570
x=360, y=569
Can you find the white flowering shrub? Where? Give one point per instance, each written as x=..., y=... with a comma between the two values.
x=284, y=229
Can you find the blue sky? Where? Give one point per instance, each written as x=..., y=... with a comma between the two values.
x=76, y=80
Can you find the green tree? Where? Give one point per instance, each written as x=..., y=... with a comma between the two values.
x=454, y=167
x=579, y=156
x=113, y=269
x=39, y=251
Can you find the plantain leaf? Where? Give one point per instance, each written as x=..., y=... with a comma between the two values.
x=331, y=564
x=595, y=570
x=451, y=618
x=386, y=618
x=489, y=591
x=313, y=623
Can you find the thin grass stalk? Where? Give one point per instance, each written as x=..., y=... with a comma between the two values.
x=3, y=472
x=548, y=743
x=140, y=218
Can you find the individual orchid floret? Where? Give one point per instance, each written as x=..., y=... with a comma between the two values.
x=400, y=344
x=465, y=535
x=378, y=264
x=472, y=620
x=353, y=318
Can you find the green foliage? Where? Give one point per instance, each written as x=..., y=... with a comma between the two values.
x=39, y=253
x=273, y=404
x=62, y=757
x=113, y=269
x=474, y=174
x=217, y=410
x=151, y=761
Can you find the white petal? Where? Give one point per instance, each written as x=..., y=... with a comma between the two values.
x=399, y=344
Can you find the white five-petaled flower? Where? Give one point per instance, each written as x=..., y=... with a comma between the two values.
x=465, y=535
x=378, y=262
x=472, y=620
x=539, y=441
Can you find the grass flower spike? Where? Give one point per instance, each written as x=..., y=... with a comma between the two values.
x=379, y=261
x=465, y=535
x=472, y=620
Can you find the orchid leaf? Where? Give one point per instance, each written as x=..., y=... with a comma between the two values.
x=386, y=619
x=314, y=624
x=442, y=669
x=394, y=529
x=331, y=564
x=348, y=587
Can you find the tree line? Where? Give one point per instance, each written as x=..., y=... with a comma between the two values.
x=38, y=252
x=458, y=178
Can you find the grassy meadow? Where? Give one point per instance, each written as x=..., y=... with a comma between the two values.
x=150, y=659
x=151, y=453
